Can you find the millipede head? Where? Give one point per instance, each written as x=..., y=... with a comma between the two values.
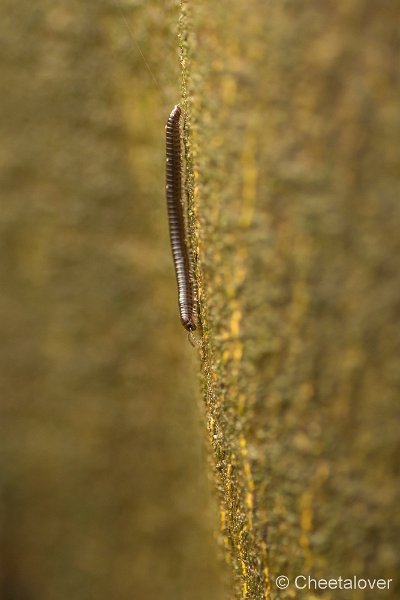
x=188, y=323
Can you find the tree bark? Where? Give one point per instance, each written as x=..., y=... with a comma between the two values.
x=291, y=141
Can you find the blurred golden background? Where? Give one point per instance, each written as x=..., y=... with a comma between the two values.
x=103, y=471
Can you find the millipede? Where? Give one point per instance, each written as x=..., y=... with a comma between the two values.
x=177, y=229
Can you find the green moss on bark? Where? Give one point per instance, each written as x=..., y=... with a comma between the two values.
x=293, y=184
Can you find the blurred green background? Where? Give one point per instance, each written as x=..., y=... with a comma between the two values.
x=103, y=470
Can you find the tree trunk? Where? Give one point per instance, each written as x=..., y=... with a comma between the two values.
x=292, y=151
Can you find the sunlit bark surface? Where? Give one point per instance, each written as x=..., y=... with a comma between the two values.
x=292, y=148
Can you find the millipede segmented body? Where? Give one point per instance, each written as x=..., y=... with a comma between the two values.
x=177, y=230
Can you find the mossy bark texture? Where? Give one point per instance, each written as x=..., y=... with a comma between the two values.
x=292, y=149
